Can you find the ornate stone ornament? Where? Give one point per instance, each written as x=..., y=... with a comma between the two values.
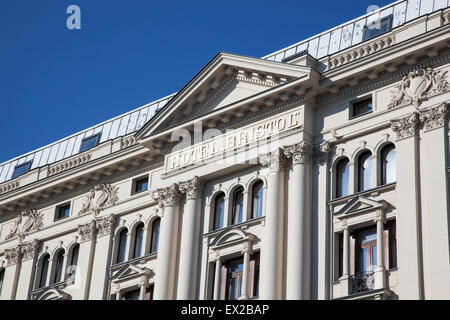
x=167, y=197
x=192, y=188
x=96, y=227
x=298, y=152
x=434, y=117
x=22, y=252
x=406, y=127
x=274, y=160
x=100, y=197
x=27, y=221
x=417, y=86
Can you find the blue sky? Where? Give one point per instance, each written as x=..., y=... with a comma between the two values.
x=55, y=82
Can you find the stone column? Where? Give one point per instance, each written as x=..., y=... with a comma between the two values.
x=87, y=233
x=379, y=272
x=435, y=204
x=217, y=279
x=169, y=199
x=143, y=288
x=244, y=289
x=272, y=241
x=345, y=279
x=298, y=237
x=408, y=199
x=13, y=263
x=190, y=240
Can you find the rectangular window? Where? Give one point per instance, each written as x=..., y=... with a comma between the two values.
x=376, y=28
x=131, y=295
x=21, y=169
x=359, y=108
x=62, y=211
x=141, y=185
x=89, y=142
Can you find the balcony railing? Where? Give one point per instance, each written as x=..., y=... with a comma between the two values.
x=362, y=281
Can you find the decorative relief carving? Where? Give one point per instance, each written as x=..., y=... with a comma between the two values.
x=105, y=225
x=274, y=160
x=96, y=227
x=299, y=152
x=68, y=164
x=321, y=152
x=167, y=197
x=100, y=197
x=26, y=222
x=434, y=117
x=192, y=188
x=87, y=231
x=417, y=86
x=22, y=252
x=406, y=127
x=9, y=186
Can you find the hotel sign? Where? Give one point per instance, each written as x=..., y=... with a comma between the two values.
x=231, y=140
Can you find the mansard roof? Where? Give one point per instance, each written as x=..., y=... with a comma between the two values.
x=324, y=44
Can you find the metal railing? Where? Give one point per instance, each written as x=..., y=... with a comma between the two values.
x=362, y=282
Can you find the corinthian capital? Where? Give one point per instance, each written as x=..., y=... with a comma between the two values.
x=105, y=225
x=13, y=256
x=299, y=152
x=434, y=117
x=192, y=188
x=30, y=250
x=168, y=197
x=87, y=231
x=406, y=127
x=274, y=160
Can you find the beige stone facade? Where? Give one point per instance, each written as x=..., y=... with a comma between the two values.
x=260, y=179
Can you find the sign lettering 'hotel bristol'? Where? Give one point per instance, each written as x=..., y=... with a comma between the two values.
x=229, y=141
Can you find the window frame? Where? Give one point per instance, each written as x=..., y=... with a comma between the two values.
x=254, y=214
x=97, y=141
x=352, y=115
x=136, y=236
x=135, y=184
x=383, y=155
x=45, y=261
x=215, y=225
x=240, y=190
x=2, y=279
x=152, y=236
x=58, y=211
x=58, y=269
x=122, y=243
x=338, y=186
x=362, y=158
x=27, y=163
x=389, y=27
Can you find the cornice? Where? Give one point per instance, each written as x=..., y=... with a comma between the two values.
x=385, y=79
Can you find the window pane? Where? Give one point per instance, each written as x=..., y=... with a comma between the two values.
x=89, y=143
x=122, y=246
x=139, y=240
x=257, y=203
x=365, y=172
x=132, y=295
x=342, y=178
x=20, y=170
x=64, y=211
x=70, y=270
x=374, y=256
x=219, y=211
x=365, y=259
x=390, y=166
x=141, y=185
x=44, y=270
x=362, y=107
x=59, y=266
x=155, y=235
x=238, y=206
x=2, y=277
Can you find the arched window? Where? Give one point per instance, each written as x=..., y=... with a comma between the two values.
x=388, y=164
x=257, y=199
x=71, y=269
x=138, y=241
x=238, y=205
x=2, y=277
x=219, y=211
x=58, y=267
x=365, y=171
x=44, y=271
x=342, y=178
x=155, y=235
x=122, y=246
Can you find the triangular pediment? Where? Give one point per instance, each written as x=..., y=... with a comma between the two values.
x=128, y=271
x=225, y=80
x=360, y=204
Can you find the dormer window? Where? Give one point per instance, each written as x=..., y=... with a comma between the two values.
x=374, y=29
x=21, y=169
x=90, y=142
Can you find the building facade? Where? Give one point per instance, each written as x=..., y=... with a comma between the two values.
x=321, y=171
